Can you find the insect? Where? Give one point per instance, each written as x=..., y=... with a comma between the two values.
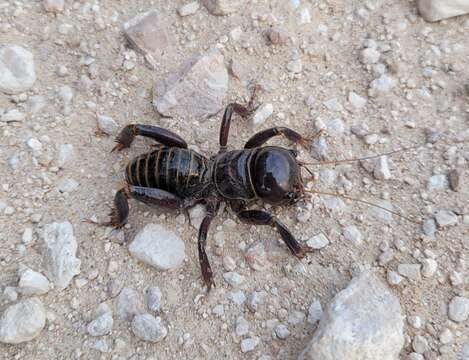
x=175, y=177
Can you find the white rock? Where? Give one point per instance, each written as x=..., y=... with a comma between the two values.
x=54, y=6
x=352, y=234
x=34, y=144
x=189, y=9
x=434, y=10
x=196, y=215
x=158, y=247
x=256, y=256
x=218, y=310
x=13, y=115
x=356, y=100
x=445, y=218
x=27, y=237
x=17, y=72
x=437, y=182
x=233, y=278
x=318, y=241
x=295, y=66
x=22, y=322
x=102, y=325
x=33, y=283
x=314, y=312
x=415, y=356
x=67, y=185
x=237, y=297
x=36, y=103
x=249, y=344
x=242, y=326
x=222, y=7
x=394, y=278
x=256, y=300
x=458, y=309
x=153, y=297
x=419, y=344
x=381, y=170
x=10, y=294
x=333, y=105
x=262, y=114
x=335, y=127
x=446, y=336
x=65, y=154
x=410, y=271
x=282, y=332
x=296, y=317
x=148, y=328
x=429, y=267
x=415, y=321
x=229, y=263
x=129, y=304
x=60, y=254
x=107, y=124
x=381, y=86
x=370, y=56
x=363, y=322
x=196, y=91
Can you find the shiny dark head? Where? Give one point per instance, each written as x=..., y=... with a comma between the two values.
x=276, y=175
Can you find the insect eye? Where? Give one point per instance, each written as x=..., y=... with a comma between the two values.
x=294, y=153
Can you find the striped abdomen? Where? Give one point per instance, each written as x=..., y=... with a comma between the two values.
x=176, y=170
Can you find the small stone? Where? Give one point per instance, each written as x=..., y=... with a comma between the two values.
x=282, y=331
x=262, y=114
x=352, y=234
x=314, y=312
x=249, y=344
x=65, y=155
x=296, y=317
x=437, y=182
x=256, y=300
x=381, y=170
x=381, y=86
x=410, y=271
x=416, y=356
x=277, y=36
x=229, y=263
x=369, y=56
x=454, y=177
x=60, y=253
x=333, y=105
x=445, y=218
x=394, y=278
x=148, y=328
x=196, y=215
x=429, y=227
x=67, y=185
x=242, y=326
x=36, y=103
x=456, y=278
x=22, y=322
x=446, y=336
x=435, y=10
x=33, y=283
x=27, y=237
x=34, y=144
x=335, y=127
x=318, y=241
x=153, y=298
x=129, y=304
x=458, y=309
x=148, y=35
x=256, y=256
x=222, y=7
x=415, y=321
x=102, y=325
x=54, y=6
x=295, y=66
x=218, y=310
x=17, y=72
x=419, y=344
x=158, y=247
x=432, y=135
x=107, y=124
x=13, y=115
x=356, y=100
x=305, y=16
x=189, y=9
x=233, y=278
x=319, y=148
x=10, y=294
x=429, y=267
x=196, y=91
x=237, y=297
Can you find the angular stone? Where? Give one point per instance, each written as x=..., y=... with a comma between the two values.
x=148, y=328
x=102, y=325
x=33, y=283
x=196, y=91
x=435, y=10
x=445, y=218
x=363, y=322
x=188, y=9
x=129, y=304
x=107, y=124
x=17, y=72
x=158, y=247
x=148, y=35
x=54, y=6
x=222, y=7
x=60, y=253
x=318, y=241
x=22, y=322
x=458, y=309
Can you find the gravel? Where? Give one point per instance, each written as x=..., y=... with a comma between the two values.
x=107, y=125
x=102, y=325
x=17, y=70
x=445, y=218
x=129, y=303
x=435, y=10
x=458, y=309
x=318, y=241
x=33, y=283
x=222, y=7
x=153, y=298
x=148, y=328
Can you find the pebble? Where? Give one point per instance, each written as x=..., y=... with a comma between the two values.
x=189, y=9
x=429, y=267
x=242, y=326
x=22, y=322
x=419, y=344
x=218, y=310
x=335, y=127
x=102, y=325
x=333, y=105
x=10, y=294
x=394, y=278
x=256, y=300
x=458, y=309
x=415, y=321
x=369, y=56
x=314, y=312
x=364, y=321
x=437, y=182
x=107, y=124
x=381, y=86
x=319, y=148
x=416, y=356
x=296, y=317
x=36, y=103
x=158, y=247
x=60, y=253
x=435, y=10
x=277, y=36
x=356, y=100
x=65, y=154
x=27, y=237
x=33, y=283
x=445, y=218
x=381, y=170
x=318, y=241
x=129, y=304
x=295, y=66
x=17, y=73
x=34, y=144
x=147, y=34
x=153, y=297
x=148, y=328
x=454, y=177
x=410, y=271
x=249, y=344
x=54, y=6
x=222, y=7
x=282, y=332
x=197, y=91
x=256, y=256
x=446, y=336
x=229, y=263
x=237, y=297
x=429, y=227
x=262, y=114
x=233, y=278
x=67, y=185
x=13, y=115
x=352, y=234
x=196, y=215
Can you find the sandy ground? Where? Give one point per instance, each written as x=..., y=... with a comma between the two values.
x=329, y=47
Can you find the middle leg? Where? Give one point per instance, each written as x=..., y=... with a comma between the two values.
x=263, y=136
x=205, y=267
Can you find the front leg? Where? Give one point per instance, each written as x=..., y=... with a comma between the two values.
x=163, y=136
x=263, y=136
x=205, y=267
x=259, y=217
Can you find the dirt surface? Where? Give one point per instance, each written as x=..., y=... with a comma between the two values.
x=87, y=39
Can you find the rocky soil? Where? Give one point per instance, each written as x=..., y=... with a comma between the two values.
x=374, y=76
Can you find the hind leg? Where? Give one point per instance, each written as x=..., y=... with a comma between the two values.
x=163, y=136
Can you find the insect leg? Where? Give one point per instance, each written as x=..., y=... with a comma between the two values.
x=163, y=136
x=205, y=267
x=120, y=211
x=259, y=217
x=263, y=136
x=158, y=197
